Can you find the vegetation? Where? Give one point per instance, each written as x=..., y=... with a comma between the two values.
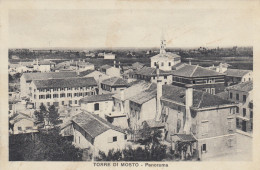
x=43, y=146
x=51, y=115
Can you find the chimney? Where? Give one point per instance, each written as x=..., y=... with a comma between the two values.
x=159, y=95
x=114, y=63
x=188, y=104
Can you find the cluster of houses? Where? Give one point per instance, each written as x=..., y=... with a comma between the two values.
x=200, y=107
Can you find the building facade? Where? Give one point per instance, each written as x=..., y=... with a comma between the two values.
x=242, y=94
x=113, y=85
x=61, y=91
x=235, y=76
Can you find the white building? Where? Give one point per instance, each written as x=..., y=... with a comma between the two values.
x=113, y=85
x=165, y=59
x=91, y=131
x=43, y=65
x=100, y=105
x=111, y=71
x=235, y=76
x=22, y=123
x=27, y=78
x=109, y=56
x=61, y=91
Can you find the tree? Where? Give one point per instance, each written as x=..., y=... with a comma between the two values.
x=150, y=135
x=43, y=146
x=39, y=116
x=53, y=115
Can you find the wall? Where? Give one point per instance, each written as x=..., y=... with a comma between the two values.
x=24, y=87
x=23, y=124
x=165, y=62
x=113, y=72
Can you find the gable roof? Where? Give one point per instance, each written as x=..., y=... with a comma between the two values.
x=68, y=82
x=200, y=99
x=137, y=65
x=85, y=72
x=97, y=98
x=150, y=71
x=115, y=81
x=20, y=116
x=106, y=66
x=167, y=55
x=143, y=97
x=244, y=86
x=236, y=72
x=134, y=89
x=48, y=75
x=93, y=125
x=195, y=71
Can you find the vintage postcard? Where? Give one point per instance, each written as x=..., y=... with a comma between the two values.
x=129, y=84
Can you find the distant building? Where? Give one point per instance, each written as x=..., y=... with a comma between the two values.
x=43, y=65
x=221, y=68
x=204, y=121
x=110, y=70
x=113, y=85
x=165, y=59
x=242, y=94
x=61, y=91
x=22, y=123
x=98, y=104
x=92, y=132
x=235, y=76
x=27, y=78
x=149, y=74
x=137, y=66
x=201, y=78
x=109, y=56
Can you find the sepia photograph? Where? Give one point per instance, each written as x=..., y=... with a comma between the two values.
x=150, y=86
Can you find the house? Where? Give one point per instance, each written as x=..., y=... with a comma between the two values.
x=113, y=85
x=27, y=78
x=221, y=68
x=201, y=78
x=61, y=91
x=235, y=76
x=98, y=104
x=205, y=122
x=81, y=65
x=43, y=65
x=110, y=70
x=165, y=59
x=242, y=94
x=91, y=131
x=109, y=56
x=121, y=108
x=21, y=123
x=149, y=74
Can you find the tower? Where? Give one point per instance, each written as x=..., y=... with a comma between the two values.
x=163, y=45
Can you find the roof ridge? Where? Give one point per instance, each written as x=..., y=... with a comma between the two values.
x=194, y=70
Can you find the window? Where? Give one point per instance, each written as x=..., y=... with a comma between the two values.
x=230, y=95
x=62, y=102
x=208, y=90
x=237, y=122
x=70, y=101
x=204, y=148
x=80, y=94
x=125, y=137
x=251, y=114
x=237, y=96
x=237, y=109
x=76, y=102
x=96, y=106
x=55, y=89
x=165, y=77
x=154, y=63
x=114, y=139
x=204, y=128
x=69, y=95
x=19, y=128
x=162, y=64
x=69, y=88
x=244, y=98
x=230, y=125
x=75, y=94
x=231, y=111
x=62, y=95
x=193, y=82
x=251, y=105
x=169, y=64
x=55, y=95
x=244, y=112
x=115, y=88
x=41, y=96
x=212, y=90
x=230, y=142
x=48, y=96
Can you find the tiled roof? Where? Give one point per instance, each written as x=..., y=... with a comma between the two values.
x=106, y=66
x=244, y=86
x=86, y=72
x=143, y=97
x=178, y=66
x=236, y=72
x=68, y=82
x=48, y=75
x=115, y=81
x=97, y=98
x=185, y=137
x=223, y=95
x=195, y=71
x=168, y=55
x=20, y=116
x=93, y=125
x=200, y=99
x=137, y=65
x=149, y=71
x=134, y=89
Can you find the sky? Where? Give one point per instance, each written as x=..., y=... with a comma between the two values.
x=84, y=28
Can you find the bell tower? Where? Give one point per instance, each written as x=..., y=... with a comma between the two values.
x=163, y=44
